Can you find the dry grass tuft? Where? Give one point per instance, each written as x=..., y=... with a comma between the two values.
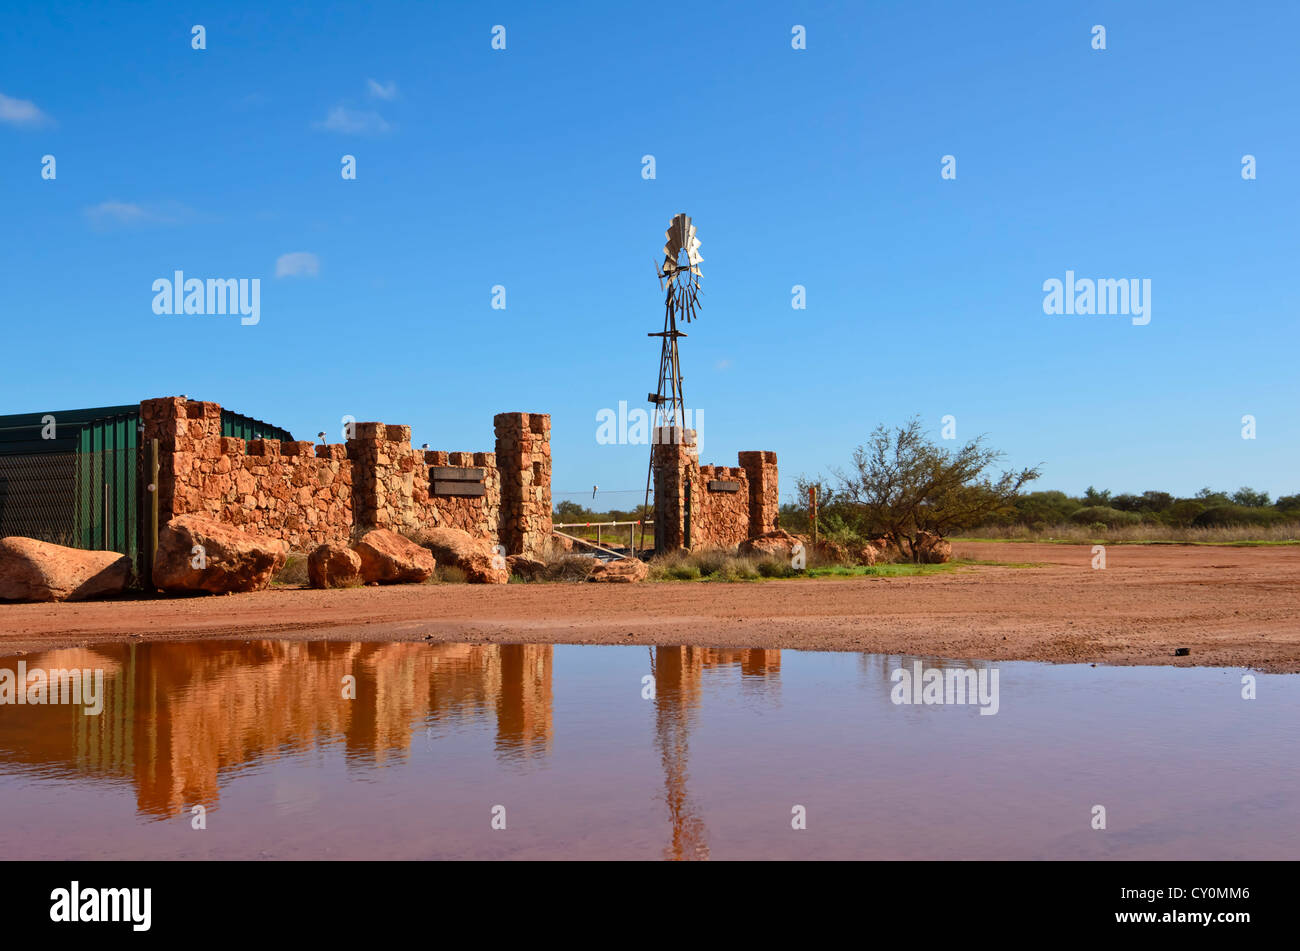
x=294, y=571
x=716, y=565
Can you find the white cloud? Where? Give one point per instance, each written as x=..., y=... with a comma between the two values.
x=114, y=212
x=722, y=365
x=120, y=212
x=297, y=264
x=357, y=121
x=380, y=90
x=21, y=112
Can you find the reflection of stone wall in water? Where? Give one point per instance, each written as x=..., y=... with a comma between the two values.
x=177, y=715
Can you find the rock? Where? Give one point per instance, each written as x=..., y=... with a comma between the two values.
x=32, y=570
x=932, y=550
x=229, y=560
x=888, y=549
x=388, y=558
x=831, y=552
x=622, y=571
x=774, y=544
x=865, y=555
x=527, y=568
x=476, y=557
x=334, y=566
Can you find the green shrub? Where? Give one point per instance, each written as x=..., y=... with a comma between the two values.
x=1107, y=516
x=737, y=569
x=1047, y=507
x=1223, y=515
x=710, y=561
x=1184, y=511
x=711, y=565
x=681, y=573
x=775, y=568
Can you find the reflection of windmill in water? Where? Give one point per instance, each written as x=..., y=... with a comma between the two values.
x=677, y=695
x=681, y=280
x=679, y=676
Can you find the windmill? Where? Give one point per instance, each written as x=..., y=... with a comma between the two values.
x=681, y=281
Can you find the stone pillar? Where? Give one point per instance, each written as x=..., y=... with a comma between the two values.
x=383, y=477
x=677, y=487
x=764, y=499
x=189, y=442
x=524, y=462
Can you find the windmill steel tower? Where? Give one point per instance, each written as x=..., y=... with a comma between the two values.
x=681, y=281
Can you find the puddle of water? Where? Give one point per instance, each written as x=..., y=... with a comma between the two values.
x=635, y=752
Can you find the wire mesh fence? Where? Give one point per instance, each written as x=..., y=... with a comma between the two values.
x=78, y=499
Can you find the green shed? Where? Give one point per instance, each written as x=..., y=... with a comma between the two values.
x=77, y=477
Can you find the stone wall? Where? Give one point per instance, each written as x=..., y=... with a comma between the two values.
x=307, y=494
x=676, y=484
x=290, y=490
x=481, y=515
x=688, y=514
x=764, y=499
x=384, y=467
x=524, y=456
x=724, y=519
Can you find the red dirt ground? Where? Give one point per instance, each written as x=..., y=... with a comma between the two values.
x=1230, y=606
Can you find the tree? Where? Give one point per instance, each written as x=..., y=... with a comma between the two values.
x=1250, y=498
x=570, y=511
x=906, y=484
x=1210, y=497
x=1156, y=501
x=1048, y=508
x=1093, y=496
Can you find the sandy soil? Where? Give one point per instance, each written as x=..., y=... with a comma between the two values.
x=1230, y=606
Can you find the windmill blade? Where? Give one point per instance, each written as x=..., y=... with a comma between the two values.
x=679, y=234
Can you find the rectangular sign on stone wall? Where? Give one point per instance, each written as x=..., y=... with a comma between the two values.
x=456, y=480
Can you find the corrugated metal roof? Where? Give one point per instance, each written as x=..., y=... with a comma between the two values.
x=21, y=432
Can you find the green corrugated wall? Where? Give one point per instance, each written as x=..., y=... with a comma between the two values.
x=103, y=446
x=106, y=477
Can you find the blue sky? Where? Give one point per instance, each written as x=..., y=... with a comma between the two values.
x=522, y=167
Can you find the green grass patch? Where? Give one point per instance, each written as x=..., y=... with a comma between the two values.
x=725, y=568
x=879, y=571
